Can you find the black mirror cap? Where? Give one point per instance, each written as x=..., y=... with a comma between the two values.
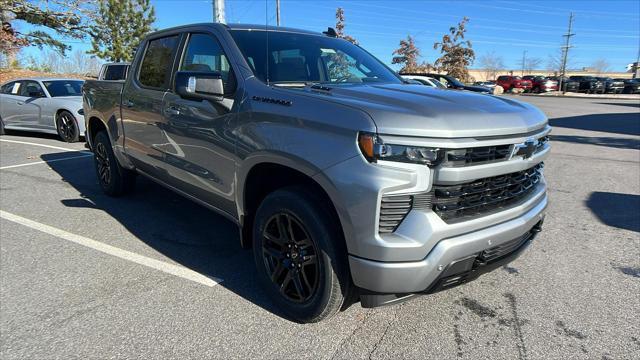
x=199, y=85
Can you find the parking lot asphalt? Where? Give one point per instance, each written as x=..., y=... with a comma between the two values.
x=153, y=275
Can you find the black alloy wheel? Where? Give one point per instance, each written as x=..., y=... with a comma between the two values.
x=103, y=164
x=67, y=127
x=290, y=257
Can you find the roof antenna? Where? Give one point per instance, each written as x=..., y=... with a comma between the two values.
x=331, y=32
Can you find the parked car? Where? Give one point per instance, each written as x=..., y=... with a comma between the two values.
x=425, y=80
x=588, y=84
x=114, y=71
x=568, y=85
x=490, y=84
x=543, y=84
x=611, y=85
x=48, y=105
x=453, y=83
x=509, y=82
x=346, y=181
x=631, y=86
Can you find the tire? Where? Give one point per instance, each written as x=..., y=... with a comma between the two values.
x=307, y=261
x=114, y=179
x=67, y=127
x=2, y=132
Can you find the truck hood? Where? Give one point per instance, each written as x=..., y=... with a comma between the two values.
x=417, y=110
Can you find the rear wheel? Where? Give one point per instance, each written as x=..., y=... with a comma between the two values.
x=1, y=127
x=67, y=127
x=300, y=255
x=114, y=179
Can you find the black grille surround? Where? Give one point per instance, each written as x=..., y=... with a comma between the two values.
x=456, y=202
x=485, y=154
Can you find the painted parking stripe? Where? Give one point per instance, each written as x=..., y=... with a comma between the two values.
x=36, y=144
x=45, y=161
x=165, y=267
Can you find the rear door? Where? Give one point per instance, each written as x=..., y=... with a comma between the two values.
x=9, y=98
x=142, y=104
x=199, y=149
x=29, y=104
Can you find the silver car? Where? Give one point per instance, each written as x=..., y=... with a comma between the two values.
x=46, y=105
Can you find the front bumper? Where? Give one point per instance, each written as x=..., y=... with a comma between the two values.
x=423, y=276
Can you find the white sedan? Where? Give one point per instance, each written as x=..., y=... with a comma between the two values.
x=425, y=80
x=43, y=105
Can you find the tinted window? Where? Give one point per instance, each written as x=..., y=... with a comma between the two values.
x=155, y=70
x=115, y=72
x=298, y=58
x=30, y=89
x=64, y=87
x=204, y=53
x=10, y=88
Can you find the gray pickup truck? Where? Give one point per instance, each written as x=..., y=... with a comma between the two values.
x=348, y=183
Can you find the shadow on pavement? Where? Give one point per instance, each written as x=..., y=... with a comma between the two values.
x=185, y=232
x=615, y=142
x=617, y=210
x=630, y=104
x=621, y=123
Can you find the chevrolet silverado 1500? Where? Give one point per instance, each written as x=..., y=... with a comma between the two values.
x=346, y=181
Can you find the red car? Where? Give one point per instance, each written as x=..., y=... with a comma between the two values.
x=509, y=82
x=541, y=83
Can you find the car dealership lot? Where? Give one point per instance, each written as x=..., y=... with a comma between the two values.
x=154, y=275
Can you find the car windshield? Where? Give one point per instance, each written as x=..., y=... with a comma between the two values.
x=438, y=83
x=64, y=87
x=294, y=59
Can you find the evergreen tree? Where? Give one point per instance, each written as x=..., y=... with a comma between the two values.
x=66, y=18
x=457, y=53
x=119, y=28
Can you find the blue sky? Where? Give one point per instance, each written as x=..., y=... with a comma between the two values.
x=604, y=29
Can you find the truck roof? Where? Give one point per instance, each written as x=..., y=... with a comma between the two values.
x=241, y=27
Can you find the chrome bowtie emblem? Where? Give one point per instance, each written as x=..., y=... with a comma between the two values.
x=525, y=149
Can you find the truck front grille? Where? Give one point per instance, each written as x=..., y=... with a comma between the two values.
x=485, y=154
x=453, y=202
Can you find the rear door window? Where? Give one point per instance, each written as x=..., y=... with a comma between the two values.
x=10, y=88
x=155, y=69
x=115, y=72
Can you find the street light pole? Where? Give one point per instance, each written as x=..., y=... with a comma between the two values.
x=524, y=58
x=218, y=11
x=565, y=52
x=278, y=12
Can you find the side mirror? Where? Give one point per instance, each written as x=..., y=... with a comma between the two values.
x=199, y=85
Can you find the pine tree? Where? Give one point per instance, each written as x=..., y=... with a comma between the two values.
x=66, y=18
x=119, y=28
x=457, y=53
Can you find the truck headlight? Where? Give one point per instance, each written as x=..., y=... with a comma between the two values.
x=374, y=149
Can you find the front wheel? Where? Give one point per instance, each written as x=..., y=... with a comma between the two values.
x=300, y=255
x=67, y=127
x=114, y=179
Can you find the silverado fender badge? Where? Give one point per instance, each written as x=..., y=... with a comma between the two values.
x=525, y=149
x=272, y=101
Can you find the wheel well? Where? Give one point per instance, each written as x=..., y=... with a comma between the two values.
x=266, y=178
x=95, y=126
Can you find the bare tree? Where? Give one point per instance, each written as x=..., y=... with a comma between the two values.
x=554, y=62
x=530, y=64
x=491, y=63
x=600, y=66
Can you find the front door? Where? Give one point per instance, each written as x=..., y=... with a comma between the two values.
x=199, y=147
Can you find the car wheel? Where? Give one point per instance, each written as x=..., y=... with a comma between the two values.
x=1, y=127
x=114, y=179
x=67, y=127
x=300, y=255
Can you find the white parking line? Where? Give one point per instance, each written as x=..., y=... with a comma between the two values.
x=45, y=161
x=36, y=144
x=168, y=268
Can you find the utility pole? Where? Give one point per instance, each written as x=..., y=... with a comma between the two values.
x=524, y=59
x=278, y=12
x=565, y=52
x=218, y=11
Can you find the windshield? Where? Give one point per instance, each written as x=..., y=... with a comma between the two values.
x=296, y=59
x=64, y=87
x=438, y=83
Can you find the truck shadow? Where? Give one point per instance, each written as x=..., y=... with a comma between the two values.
x=187, y=233
x=621, y=123
x=617, y=210
x=609, y=141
